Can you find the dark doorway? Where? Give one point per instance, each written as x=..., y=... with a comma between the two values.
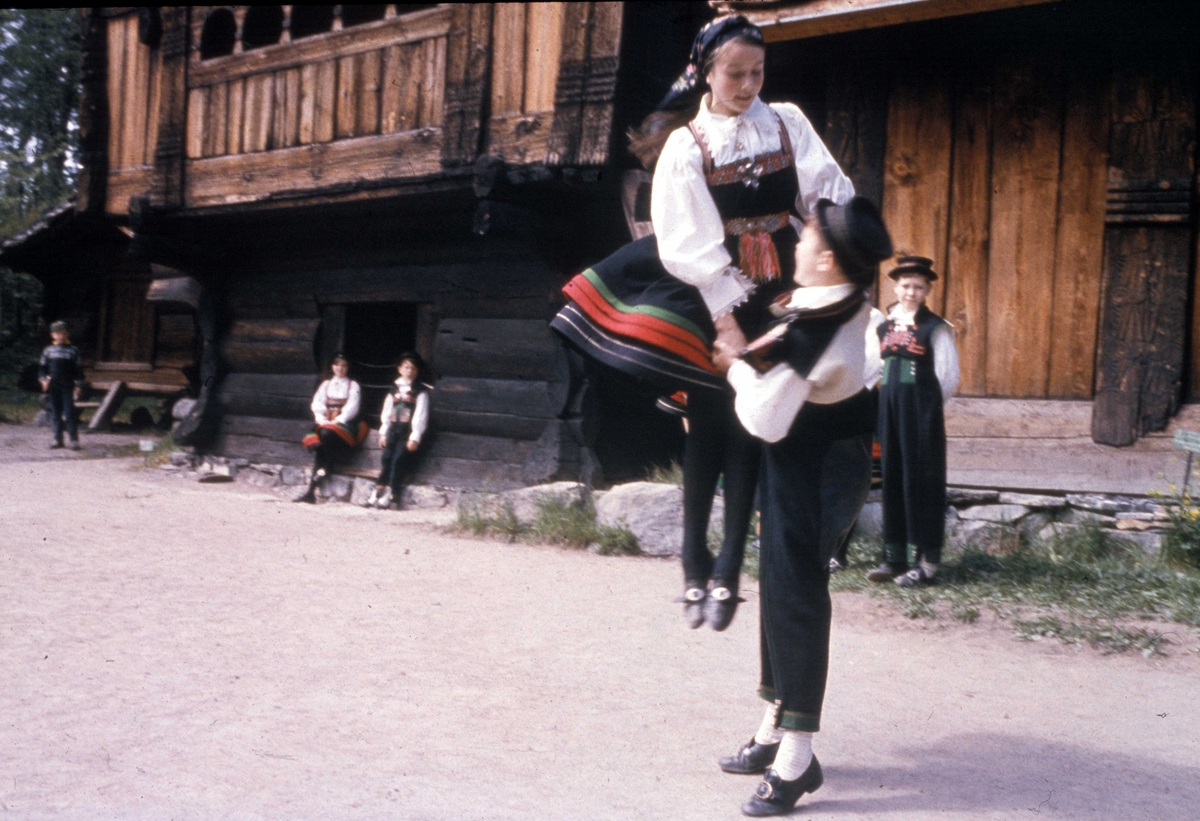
x=375, y=336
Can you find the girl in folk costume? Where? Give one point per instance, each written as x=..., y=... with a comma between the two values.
x=730, y=188
x=338, y=429
x=402, y=424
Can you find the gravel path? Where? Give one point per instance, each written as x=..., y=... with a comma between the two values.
x=188, y=651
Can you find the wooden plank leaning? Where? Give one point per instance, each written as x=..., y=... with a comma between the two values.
x=102, y=418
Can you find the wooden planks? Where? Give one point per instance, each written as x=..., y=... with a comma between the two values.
x=290, y=171
x=466, y=81
x=1079, y=248
x=916, y=182
x=1025, y=172
x=543, y=50
x=966, y=267
x=508, y=59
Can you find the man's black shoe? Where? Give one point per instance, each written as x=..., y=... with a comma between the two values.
x=775, y=796
x=752, y=759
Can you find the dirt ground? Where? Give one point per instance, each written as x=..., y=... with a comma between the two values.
x=188, y=651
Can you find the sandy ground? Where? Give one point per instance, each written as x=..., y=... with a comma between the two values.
x=187, y=651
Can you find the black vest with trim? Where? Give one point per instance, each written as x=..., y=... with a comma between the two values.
x=907, y=350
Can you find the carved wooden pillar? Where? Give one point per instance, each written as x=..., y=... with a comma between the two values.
x=166, y=190
x=1147, y=248
x=466, y=82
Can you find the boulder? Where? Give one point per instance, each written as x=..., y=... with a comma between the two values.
x=1000, y=514
x=422, y=497
x=1075, y=516
x=1032, y=525
x=294, y=475
x=182, y=408
x=1109, y=504
x=1058, y=530
x=525, y=501
x=959, y=496
x=1032, y=500
x=870, y=522
x=993, y=538
x=1149, y=541
x=336, y=487
x=360, y=491
x=652, y=512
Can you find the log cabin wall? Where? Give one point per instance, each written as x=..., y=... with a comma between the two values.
x=1019, y=149
x=315, y=165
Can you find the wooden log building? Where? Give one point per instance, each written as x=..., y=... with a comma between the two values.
x=298, y=180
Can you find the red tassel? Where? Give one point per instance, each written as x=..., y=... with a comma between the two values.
x=757, y=256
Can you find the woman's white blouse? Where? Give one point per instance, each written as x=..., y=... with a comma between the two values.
x=420, y=418
x=690, y=231
x=337, y=388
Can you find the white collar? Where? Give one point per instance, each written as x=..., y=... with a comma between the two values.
x=707, y=115
x=401, y=382
x=900, y=315
x=818, y=296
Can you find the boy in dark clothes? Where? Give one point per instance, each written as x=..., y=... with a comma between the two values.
x=801, y=396
x=60, y=371
x=920, y=373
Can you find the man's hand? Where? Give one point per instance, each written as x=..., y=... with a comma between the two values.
x=412, y=446
x=45, y=385
x=729, y=344
x=383, y=441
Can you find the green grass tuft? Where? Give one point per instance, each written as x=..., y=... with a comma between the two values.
x=561, y=522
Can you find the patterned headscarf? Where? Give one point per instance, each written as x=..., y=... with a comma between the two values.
x=686, y=91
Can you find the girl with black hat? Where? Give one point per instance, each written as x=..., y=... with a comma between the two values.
x=730, y=187
x=337, y=429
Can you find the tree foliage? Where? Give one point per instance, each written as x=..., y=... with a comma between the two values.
x=39, y=103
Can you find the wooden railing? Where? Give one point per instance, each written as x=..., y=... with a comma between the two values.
x=343, y=107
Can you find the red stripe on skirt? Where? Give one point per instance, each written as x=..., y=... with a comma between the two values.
x=648, y=329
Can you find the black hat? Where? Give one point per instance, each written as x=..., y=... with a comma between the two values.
x=856, y=235
x=58, y=325
x=913, y=265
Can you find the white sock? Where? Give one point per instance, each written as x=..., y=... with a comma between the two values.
x=794, y=756
x=768, y=733
x=930, y=569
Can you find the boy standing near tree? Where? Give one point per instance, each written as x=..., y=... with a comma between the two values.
x=920, y=374
x=60, y=372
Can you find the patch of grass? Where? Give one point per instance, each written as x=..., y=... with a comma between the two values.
x=18, y=407
x=672, y=474
x=559, y=521
x=1087, y=586
x=1181, y=539
x=1109, y=638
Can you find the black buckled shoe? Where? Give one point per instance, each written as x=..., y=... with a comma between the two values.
x=752, y=759
x=693, y=603
x=775, y=796
x=719, y=608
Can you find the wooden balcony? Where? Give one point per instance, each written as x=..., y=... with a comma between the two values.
x=351, y=105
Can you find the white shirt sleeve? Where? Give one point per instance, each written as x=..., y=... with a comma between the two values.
x=353, y=403
x=385, y=418
x=945, y=361
x=873, y=369
x=767, y=403
x=318, y=403
x=819, y=174
x=420, y=420
x=690, y=231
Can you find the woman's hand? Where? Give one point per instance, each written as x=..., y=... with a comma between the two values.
x=412, y=446
x=729, y=344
